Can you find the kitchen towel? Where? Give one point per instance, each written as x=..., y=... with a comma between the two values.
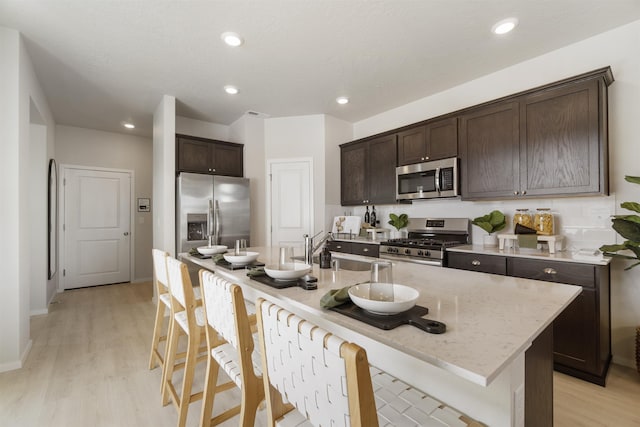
x=336, y=297
x=255, y=272
x=528, y=241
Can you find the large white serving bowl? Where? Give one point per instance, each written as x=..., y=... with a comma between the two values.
x=241, y=259
x=299, y=270
x=404, y=298
x=212, y=250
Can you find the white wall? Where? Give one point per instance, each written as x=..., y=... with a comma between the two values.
x=249, y=130
x=187, y=126
x=336, y=132
x=20, y=93
x=93, y=148
x=301, y=137
x=164, y=171
x=585, y=219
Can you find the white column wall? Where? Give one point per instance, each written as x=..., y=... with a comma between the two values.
x=164, y=172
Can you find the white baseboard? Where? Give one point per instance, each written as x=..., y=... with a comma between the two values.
x=630, y=363
x=143, y=279
x=39, y=312
x=17, y=364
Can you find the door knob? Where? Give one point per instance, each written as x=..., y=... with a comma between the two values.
x=126, y=233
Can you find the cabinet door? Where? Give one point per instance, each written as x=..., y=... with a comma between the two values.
x=338, y=246
x=477, y=262
x=442, y=138
x=489, y=151
x=227, y=159
x=575, y=338
x=560, y=137
x=412, y=146
x=381, y=171
x=353, y=172
x=366, y=249
x=553, y=271
x=193, y=156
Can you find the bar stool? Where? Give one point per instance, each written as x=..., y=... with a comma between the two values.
x=163, y=304
x=231, y=348
x=188, y=319
x=329, y=381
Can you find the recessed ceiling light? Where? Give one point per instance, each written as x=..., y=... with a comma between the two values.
x=232, y=39
x=129, y=125
x=342, y=100
x=231, y=90
x=504, y=26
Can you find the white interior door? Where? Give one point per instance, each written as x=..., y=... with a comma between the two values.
x=291, y=199
x=97, y=215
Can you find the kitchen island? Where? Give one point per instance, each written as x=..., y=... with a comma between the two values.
x=478, y=366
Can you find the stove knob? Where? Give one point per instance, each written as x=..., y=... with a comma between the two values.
x=420, y=253
x=427, y=253
x=407, y=251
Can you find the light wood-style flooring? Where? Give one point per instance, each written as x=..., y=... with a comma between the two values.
x=88, y=367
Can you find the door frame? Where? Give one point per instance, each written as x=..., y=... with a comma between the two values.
x=61, y=211
x=268, y=216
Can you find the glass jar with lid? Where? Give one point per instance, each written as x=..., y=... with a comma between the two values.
x=543, y=221
x=523, y=217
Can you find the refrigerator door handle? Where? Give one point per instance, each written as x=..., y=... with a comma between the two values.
x=216, y=219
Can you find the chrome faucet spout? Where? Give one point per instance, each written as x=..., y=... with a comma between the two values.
x=310, y=248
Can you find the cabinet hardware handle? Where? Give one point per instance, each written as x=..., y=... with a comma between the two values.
x=550, y=270
x=421, y=158
x=338, y=247
x=426, y=158
x=475, y=262
x=365, y=250
x=524, y=192
x=516, y=192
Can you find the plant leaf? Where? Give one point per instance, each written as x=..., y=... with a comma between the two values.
x=612, y=248
x=633, y=179
x=632, y=265
x=496, y=218
x=632, y=218
x=632, y=206
x=627, y=229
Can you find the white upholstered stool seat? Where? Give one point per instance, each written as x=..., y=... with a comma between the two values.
x=329, y=381
x=227, y=357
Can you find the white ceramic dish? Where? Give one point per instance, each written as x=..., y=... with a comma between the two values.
x=241, y=259
x=212, y=250
x=404, y=299
x=299, y=270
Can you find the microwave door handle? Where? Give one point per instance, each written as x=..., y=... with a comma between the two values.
x=438, y=180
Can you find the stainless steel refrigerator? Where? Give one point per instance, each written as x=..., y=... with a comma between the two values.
x=211, y=205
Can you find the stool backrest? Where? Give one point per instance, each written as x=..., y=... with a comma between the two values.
x=219, y=306
x=160, y=268
x=180, y=284
x=326, y=378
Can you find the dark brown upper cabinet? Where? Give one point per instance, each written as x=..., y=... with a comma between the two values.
x=432, y=141
x=368, y=171
x=201, y=155
x=547, y=141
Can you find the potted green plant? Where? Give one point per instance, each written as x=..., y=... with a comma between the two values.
x=398, y=222
x=492, y=222
x=628, y=226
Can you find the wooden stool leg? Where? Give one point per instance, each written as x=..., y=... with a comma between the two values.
x=210, y=386
x=169, y=360
x=157, y=330
x=187, y=381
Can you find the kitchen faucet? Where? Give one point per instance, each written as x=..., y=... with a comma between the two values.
x=310, y=249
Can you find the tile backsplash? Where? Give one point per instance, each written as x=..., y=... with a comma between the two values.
x=585, y=222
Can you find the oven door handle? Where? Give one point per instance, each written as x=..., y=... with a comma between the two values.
x=438, y=180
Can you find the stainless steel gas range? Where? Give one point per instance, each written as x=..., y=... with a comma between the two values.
x=427, y=240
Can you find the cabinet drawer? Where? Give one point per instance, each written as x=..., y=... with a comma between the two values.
x=553, y=271
x=365, y=249
x=477, y=262
x=338, y=246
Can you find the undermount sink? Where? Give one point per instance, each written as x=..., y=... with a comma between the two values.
x=343, y=263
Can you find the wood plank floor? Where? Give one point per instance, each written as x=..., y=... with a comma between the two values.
x=88, y=367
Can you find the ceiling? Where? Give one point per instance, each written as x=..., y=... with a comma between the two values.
x=101, y=63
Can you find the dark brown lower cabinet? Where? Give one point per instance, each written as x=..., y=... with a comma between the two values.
x=356, y=248
x=582, y=332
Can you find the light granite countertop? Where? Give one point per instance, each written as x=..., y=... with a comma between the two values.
x=491, y=320
x=595, y=258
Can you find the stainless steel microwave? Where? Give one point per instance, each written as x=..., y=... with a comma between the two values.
x=428, y=180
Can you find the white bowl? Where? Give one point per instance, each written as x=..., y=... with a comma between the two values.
x=404, y=298
x=241, y=259
x=212, y=250
x=299, y=270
